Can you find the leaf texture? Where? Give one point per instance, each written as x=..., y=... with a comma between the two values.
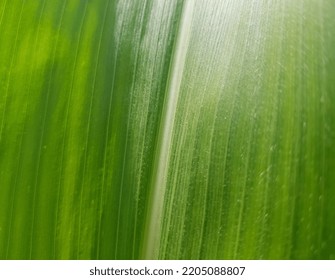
x=167, y=129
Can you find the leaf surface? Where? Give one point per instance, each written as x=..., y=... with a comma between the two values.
x=167, y=129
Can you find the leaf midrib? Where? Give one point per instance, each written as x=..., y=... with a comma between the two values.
x=158, y=181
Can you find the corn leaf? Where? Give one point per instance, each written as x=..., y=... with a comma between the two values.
x=167, y=129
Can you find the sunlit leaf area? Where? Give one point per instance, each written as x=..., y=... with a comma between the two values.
x=167, y=129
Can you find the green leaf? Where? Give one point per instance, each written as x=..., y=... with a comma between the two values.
x=167, y=129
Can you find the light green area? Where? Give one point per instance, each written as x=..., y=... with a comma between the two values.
x=167, y=129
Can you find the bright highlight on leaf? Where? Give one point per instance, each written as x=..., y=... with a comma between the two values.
x=167, y=129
